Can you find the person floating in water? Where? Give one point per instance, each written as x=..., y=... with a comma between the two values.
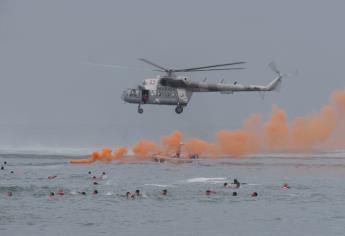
x=95, y=192
x=130, y=195
x=164, y=192
x=104, y=175
x=9, y=194
x=254, y=194
x=234, y=193
x=138, y=193
x=52, y=177
x=236, y=183
x=209, y=192
x=225, y=185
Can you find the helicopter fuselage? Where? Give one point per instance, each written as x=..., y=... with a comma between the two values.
x=153, y=91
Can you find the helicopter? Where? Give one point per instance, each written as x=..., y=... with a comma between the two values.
x=172, y=89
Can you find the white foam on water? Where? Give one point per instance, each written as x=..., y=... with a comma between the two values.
x=157, y=185
x=206, y=180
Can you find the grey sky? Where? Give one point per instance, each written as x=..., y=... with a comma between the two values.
x=49, y=98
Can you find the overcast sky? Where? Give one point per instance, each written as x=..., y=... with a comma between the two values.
x=49, y=98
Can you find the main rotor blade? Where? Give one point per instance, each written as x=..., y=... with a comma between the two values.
x=153, y=64
x=237, y=68
x=205, y=67
x=114, y=66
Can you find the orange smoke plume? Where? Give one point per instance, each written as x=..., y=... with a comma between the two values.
x=320, y=130
x=120, y=153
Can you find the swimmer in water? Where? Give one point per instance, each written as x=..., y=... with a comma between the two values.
x=95, y=192
x=5, y=162
x=9, y=194
x=89, y=172
x=286, y=185
x=2, y=167
x=209, y=192
x=82, y=193
x=254, y=194
x=95, y=183
x=236, y=183
x=234, y=193
x=52, y=177
x=104, y=176
x=130, y=195
x=164, y=192
x=12, y=172
x=137, y=193
x=225, y=185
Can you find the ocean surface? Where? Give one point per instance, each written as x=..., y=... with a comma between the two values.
x=314, y=204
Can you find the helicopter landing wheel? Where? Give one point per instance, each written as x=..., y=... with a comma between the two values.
x=179, y=109
x=140, y=110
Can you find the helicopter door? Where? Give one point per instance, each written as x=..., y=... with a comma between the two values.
x=182, y=96
x=144, y=95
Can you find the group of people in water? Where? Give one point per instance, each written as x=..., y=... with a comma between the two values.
x=137, y=193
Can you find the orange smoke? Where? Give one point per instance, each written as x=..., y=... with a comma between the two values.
x=172, y=143
x=105, y=156
x=320, y=130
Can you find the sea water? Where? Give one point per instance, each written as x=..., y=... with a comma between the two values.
x=313, y=205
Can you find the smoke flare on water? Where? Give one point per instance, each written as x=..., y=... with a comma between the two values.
x=315, y=131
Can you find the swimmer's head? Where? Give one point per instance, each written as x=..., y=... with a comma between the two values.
x=103, y=173
x=208, y=192
x=225, y=184
x=164, y=192
x=95, y=191
x=5, y=162
x=94, y=177
x=95, y=183
x=89, y=172
x=234, y=193
x=9, y=193
x=83, y=193
x=137, y=192
x=254, y=194
x=11, y=171
x=52, y=194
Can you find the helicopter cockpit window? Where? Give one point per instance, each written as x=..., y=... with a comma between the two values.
x=132, y=93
